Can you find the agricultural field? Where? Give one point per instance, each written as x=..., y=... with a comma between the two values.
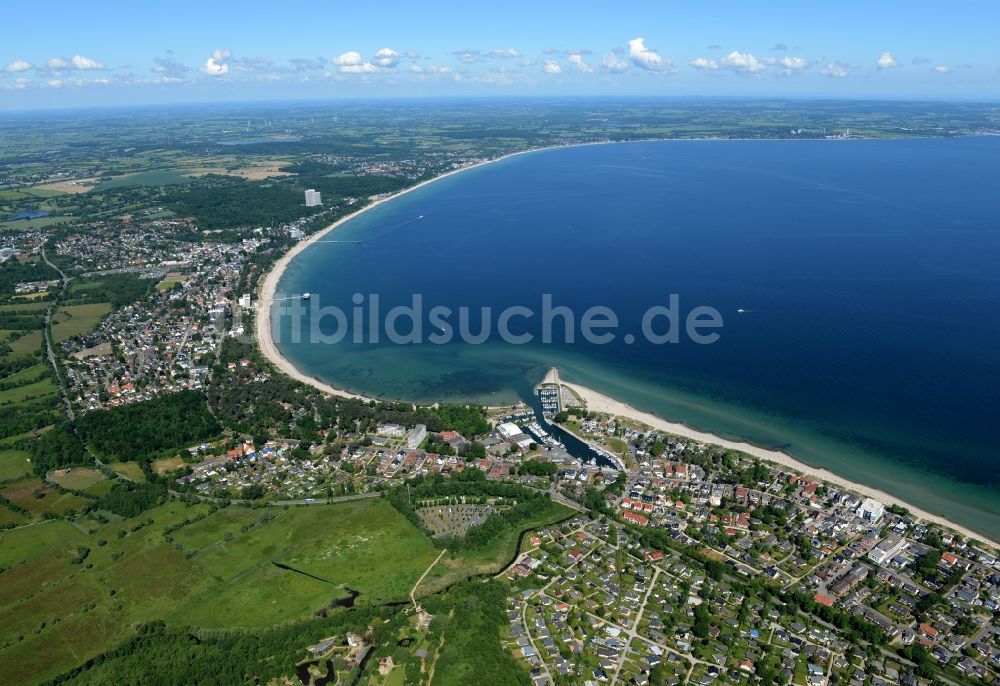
x=76, y=320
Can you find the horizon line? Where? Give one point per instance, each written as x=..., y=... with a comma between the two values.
x=506, y=97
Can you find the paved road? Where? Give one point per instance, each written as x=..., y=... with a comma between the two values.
x=49, y=348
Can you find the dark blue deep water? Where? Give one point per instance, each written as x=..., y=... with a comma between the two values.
x=868, y=271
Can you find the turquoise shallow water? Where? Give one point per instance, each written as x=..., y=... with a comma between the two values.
x=866, y=269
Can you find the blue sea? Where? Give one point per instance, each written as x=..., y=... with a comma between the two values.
x=866, y=272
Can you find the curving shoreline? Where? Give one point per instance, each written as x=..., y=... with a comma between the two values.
x=269, y=286
x=595, y=400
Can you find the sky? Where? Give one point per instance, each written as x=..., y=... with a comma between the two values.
x=122, y=52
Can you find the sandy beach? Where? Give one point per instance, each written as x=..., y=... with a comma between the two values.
x=601, y=403
x=269, y=286
x=595, y=400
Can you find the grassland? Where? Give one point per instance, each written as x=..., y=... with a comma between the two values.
x=37, y=498
x=38, y=389
x=76, y=320
x=130, y=470
x=489, y=559
x=155, y=178
x=192, y=564
x=36, y=223
x=167, y=464
x=77, y=478
x=14, y=464
x=66, y=612
x=30, y=342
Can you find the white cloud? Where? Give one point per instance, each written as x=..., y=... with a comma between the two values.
x=16, y=66
x=614, y=64
x=835, y=70
x=169, y=67
x=386, y=58
x=217, y=63
x=793, y=63
x=429, y=69
x=468, y=56
x=351, y=62
x=943, y=69
x=886, y=61
x=552, y=67
x=742, y=62
x=504, y=54
x=704, y=64
x=577, y=60
x=54, y=83
x=253, y=65
x=21, y=84
x=647, y=59
x=57, y=64
x=780, y=46
x=85, y=63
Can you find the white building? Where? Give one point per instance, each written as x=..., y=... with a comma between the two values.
x=391, y=430
x=512, y=432
x=888, y=548
x=416, y=436
x=313, y=198
x=246, y=301
x=871, y=510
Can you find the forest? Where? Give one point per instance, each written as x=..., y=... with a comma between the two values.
x=142, y=431
x=13, y=272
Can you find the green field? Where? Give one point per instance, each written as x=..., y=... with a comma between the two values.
x=200, y=577
x=36, y=223
x=14, y=464
x=30, y=342
x=37, y=498
x=76, y=320
x=215, y=569
x=77, y=478
x=490, y=558
x=159, y=177
x=43, y=387
x=130, y=470
x=35, y=306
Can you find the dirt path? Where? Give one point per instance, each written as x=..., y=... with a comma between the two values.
x=426, y=572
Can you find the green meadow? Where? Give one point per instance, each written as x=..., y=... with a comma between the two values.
x=195, y=565
x=215, y=572
x=14, y=464
x=76, y=320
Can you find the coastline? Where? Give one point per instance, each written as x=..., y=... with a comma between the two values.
x=268, y=287
x=602, y=403
x=594, y=399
